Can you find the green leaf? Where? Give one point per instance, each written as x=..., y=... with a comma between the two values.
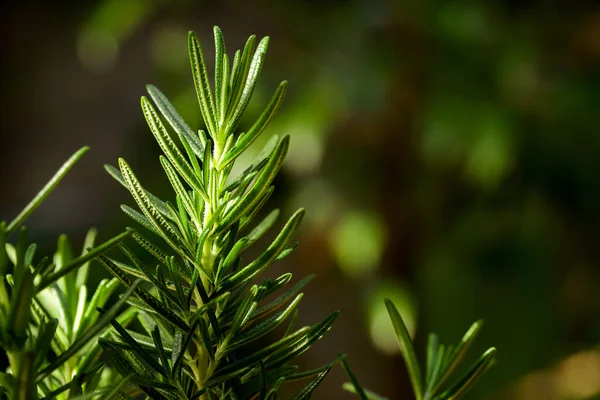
x=79, y=261
x=309, y=388
x=370, y=395
x=265, y=259
x=167, y=232
x=239, y=79
x=114, y=391
x=263, y=327
x=3, y=255
x=432, y=358
x=466, y=382
x=279, y=301
x=263, y=180
x=358, y=389
x=146, y=297
x=157, y=202
x=177, y=123
x=169, y=148
x=162, y=353
x=407, y=349
x=44, y=339
x=98, y=327
x=180, y=190
x=79, y=312
x=184, y=344
x=139, y=351
x=246, y=139
x=457, y=355
x=150, y=276
x=140, y=219
x=246, y=176
x=232, y=257
x=220, y=74
x=240, y=366
x=262, y=227
x=315, y=333
x=39, y=198
x=88, y=243
x=202, y=84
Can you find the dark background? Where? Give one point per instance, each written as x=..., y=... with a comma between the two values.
x=447, y=154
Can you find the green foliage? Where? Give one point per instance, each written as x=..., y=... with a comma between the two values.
x=48, y=328
x=203, y=310
x=207, y=307
x=441, y=362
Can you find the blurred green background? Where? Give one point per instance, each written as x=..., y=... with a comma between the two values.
x=446, y=153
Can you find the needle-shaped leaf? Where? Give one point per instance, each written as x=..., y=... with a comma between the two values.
x=432, y=351
x=269, y=255
x=454, y=357
x=44, y=340
x=82, y=340
x=177, y=123
x=239, y=77
x=151, y=248
x=279, y=301
x=356, y=386
x=232, y=257
x=169, y=148
x=156, y=219
x=220, y=76
x=143, y=295
x=407, y=349
x=307, y=391
x=466, y=382
x=246, y=139
x=78, y=318
x=158, y=203
x=139, y=218
x=263, y=181
x=262, y=227
x=179, y=189
x=184, y=344
x=202, y=84
x=259, y=162
x=240, y=366
x=315, y=333
x=264, y=327
x=76, y=263
x=249, y=84
x=139, y=351
x=88, y=243
x=42, y=194
x=115, y=391
x=162, y=352
x=160, y=285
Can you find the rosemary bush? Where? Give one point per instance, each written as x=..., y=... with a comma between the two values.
x=48, y=328
x=210, y=306
x=200, y=306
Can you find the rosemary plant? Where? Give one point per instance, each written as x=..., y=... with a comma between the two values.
x=202, y=307
x=206, y=307
x=48, y=328
x=441, y=363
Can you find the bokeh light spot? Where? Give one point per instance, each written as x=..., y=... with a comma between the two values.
x=357, y=242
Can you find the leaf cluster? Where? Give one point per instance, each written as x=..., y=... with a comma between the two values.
x=48, y=327
x=205, y=309
x=440, y=364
